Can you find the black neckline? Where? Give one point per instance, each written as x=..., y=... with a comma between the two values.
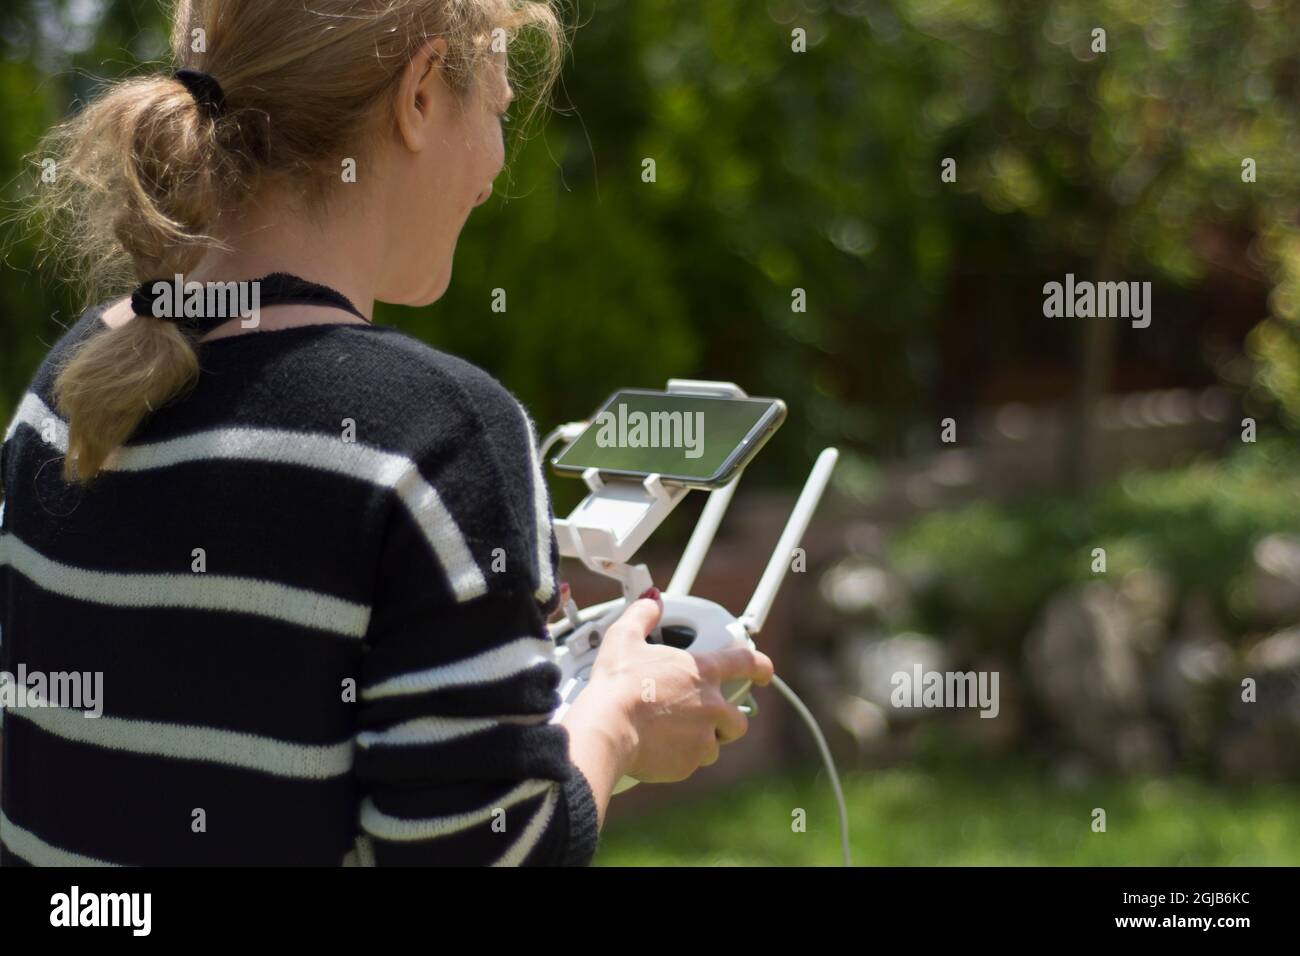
x=277, y=288
x=205, y=344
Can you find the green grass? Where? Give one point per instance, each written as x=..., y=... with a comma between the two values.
x=992, y=816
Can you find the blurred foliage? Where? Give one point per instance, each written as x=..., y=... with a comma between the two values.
x=779, y=170
x=991, y=814
x=1275, y=343
x=985, y=571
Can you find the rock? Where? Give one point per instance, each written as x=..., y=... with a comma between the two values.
x=863, y=720
x=1274, y=578
x=1261, y=739
x=1006, y=730
x=1278, y=653
x=869, y=664
x=856, y=729
x=1274, y=664
x=1149, y=597
x=854, y=586
x=1086, y=660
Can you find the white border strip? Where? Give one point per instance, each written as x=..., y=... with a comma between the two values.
x=425, y=731
x=400, y=830
x=207, y=592
x=527, y=841
x=488, y=667
x=28, y=846
x=310, y=450
x=227, y=748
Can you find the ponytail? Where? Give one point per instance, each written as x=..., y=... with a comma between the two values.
x=139, y=172
x=112, y=381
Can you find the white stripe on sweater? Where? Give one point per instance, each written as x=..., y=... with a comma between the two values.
x=184, y=742
x=207, y=592
x=437, y=730
x=361, y=854
x=401, y=830
x=37, y=852
x=520, y=849
x=34, y=412
x=488, y=667
x=542, y=515
x=311, y=450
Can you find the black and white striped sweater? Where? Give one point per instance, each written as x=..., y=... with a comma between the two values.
x=316, y=588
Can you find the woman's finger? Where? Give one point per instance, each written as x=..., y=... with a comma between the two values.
x=732, y=725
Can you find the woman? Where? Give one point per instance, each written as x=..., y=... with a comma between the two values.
x=310, y=557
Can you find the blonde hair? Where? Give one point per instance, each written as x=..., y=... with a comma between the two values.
x=145, y=171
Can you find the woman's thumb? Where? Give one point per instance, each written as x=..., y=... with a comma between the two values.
x=642, y=615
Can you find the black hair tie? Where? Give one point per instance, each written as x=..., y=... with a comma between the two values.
x=142, y=299
x=205, y=89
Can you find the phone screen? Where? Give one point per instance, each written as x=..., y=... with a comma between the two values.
x=687, y=438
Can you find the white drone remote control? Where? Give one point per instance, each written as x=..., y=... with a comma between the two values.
x=616, y=518
x=690, y=623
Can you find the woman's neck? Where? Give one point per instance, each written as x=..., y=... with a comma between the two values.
x=337, y=251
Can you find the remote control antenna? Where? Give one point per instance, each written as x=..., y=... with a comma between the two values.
x=756, y=613
x=702, y=537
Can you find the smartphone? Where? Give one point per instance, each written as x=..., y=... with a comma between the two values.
x=700, y=441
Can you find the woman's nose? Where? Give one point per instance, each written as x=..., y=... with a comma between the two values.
x=483, y=196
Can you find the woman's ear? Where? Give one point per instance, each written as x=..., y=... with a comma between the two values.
x=422, y=95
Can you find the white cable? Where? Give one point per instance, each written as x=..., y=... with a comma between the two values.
x=811, y=721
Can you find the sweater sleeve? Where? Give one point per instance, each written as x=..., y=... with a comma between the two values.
x=456, y=757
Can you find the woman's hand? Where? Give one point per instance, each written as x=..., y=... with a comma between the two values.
x=652, y=711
